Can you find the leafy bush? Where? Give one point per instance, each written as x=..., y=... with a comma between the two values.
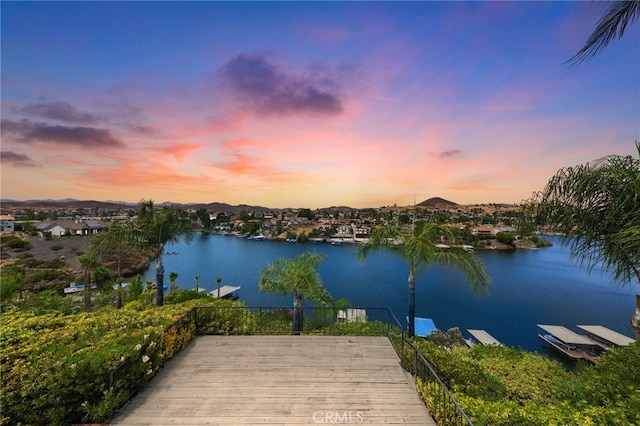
x=506, y=238
x=506, y=386
x=16, y=243
x=56, y=368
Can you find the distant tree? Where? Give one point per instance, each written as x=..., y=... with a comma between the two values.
x=596, y=208
x=244, y=216
x=506, y=238
x=307, y=213
x=203, y=215
x=157, y=227
x=120, y=243
x=611, y=26
x=419, y=249
x=404, y=219
x=88, y=261
x=102, y=277
x=297, y=276
x=173, y=276
x=197, y=279
x=218, y=281
x=135, y=287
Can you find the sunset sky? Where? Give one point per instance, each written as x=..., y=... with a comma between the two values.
x=307, y=104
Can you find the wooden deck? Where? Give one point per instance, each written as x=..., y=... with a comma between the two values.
x=285, y=380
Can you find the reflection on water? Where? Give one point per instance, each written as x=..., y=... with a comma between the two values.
x=529, y=287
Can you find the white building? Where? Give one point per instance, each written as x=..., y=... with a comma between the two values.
x=7, y=223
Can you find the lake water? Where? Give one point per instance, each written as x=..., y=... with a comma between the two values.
x=529, y=287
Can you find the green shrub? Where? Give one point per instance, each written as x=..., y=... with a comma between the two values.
x=16, y=243
x=55, y=367
x=501, y=386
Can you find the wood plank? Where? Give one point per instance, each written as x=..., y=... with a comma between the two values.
x=279, y=380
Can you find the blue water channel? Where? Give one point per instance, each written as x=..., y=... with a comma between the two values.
x=529, y=287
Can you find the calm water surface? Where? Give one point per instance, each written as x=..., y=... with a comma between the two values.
x=529, y=287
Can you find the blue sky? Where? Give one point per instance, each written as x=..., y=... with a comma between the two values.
x=311, y=104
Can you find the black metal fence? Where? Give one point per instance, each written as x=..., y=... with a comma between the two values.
x=240, y=320
x=277, y=320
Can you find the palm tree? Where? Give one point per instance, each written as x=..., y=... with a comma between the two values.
x=419, y=247
x=173, y=276
x=595, y=208
x=156, y=228
x=612, y=25
x=298, y=276
x=88, y=261
x=197, y=278
x=218, y=281
x=118, y=243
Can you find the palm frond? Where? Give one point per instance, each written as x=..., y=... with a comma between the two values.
x=612, y=25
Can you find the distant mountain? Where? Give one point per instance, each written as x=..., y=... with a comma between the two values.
x=437, y=202
x=73, y=204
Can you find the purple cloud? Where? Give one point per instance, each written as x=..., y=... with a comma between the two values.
x=27, y=131
x=61, y=111
x=270, y=89
x=448, y=154
x=14, y=159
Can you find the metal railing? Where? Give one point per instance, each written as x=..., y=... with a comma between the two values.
x=240, y=320
x=441, y=403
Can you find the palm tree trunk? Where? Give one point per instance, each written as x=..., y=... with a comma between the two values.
x=87, y=289
x=159, y=281
x=412, y=303
x=635, y=319
x=297, y=314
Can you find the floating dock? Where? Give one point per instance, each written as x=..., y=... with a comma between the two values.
x=484, y=338
x=226, y=292
x=605, y=337
x=574, y=345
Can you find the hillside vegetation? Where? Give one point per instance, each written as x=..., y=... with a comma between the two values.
x=500, y=386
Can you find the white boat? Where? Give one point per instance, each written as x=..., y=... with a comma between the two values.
x=75, y=288
x=574, y=345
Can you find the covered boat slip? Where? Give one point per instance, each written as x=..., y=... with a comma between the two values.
x=576, y=346
x=484, y=338
x=226, y=292
x=422, y=326
x=606, y=337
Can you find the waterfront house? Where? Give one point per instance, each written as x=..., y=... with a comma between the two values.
x=483, y=231
x=7, y=223
x=58, y=228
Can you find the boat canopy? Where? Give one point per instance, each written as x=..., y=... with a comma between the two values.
x=484, y=338
x=606, y=334
x=567, y=336
x=423, y=326
x=225, y=291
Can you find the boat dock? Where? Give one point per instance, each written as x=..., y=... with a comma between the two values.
x=605, y=337
x=484, y=338
x=574, y=345
x=226, y=292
